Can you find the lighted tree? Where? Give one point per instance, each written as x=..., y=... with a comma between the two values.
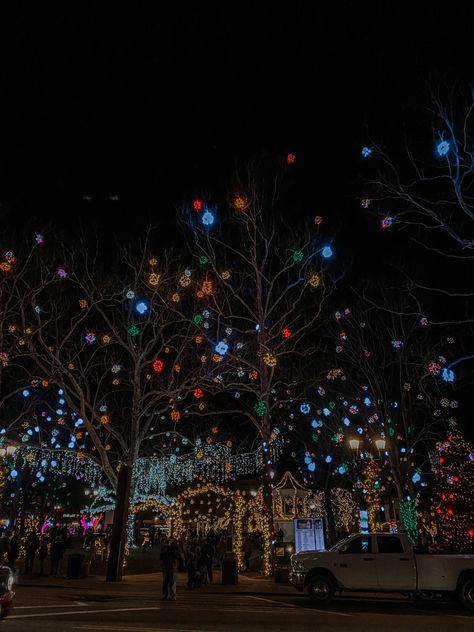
x=428, y=194
x=106, y=337
x=262, y=283
x=382, y=394
x=453, y=465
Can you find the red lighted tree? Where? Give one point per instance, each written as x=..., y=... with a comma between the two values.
x=454, y=469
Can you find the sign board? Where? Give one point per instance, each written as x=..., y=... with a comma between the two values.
x=309, y=534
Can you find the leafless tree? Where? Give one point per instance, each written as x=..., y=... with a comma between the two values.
x=103, y=332
x=263, y=281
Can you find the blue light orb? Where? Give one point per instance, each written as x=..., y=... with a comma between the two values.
x=368, y=401
x=141, y=307
x=312, y=466
x=13, y=473
x=307, y=459
x=346, y=421
x=221, y=348
x=208, y=218
x=305, y=408
x=327, y=252
x=416, y=478
x=326, y=412
x=25, y=392
x=447, y=375
x=442, y=148
x=366, y=152
x=328, y=459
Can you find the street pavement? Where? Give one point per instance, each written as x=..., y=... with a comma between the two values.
x=135, y=605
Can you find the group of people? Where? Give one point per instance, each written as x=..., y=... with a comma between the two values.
x=195, y=555
x=50, y=544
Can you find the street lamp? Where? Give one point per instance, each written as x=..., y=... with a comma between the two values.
x=354, y=443
x=380, y=443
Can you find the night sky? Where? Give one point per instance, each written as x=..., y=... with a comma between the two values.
x=160, y=100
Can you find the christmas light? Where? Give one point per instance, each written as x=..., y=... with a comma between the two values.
x=158, y=366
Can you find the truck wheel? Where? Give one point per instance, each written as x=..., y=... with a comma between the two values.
x=467, y=593
x=321, y=589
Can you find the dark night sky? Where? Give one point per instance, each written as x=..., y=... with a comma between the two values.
x=157, y=100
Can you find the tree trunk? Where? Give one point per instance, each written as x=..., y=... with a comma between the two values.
x=119, y=528
x=330, y=520
x=267, y=518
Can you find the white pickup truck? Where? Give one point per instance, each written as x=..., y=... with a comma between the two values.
x=382, y=562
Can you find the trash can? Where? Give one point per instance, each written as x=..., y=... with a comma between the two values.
x=229, y=569
x=76, y=568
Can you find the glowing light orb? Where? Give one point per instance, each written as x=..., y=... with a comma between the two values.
x=153, y=261
x=175, y=297
x=90, y=338
x=154, y=278
x=158, y=366
x=208, y=218
x=130, y=294
x=198, y=205
x=396, y=344
x=207, y=288
x=141, y=307
x=327, y=252
x=115, y=368
x=83, y=303
x=386, y=222
x=366, y=152
x=226, y=275
x=423, y=321
x=298, y=256
x=311, y=466
x=314, y=280
x=39, y=238
x=221, y=348
x=290, y=159
x=433, y=367
x=442, y=148
x=133, y=330
x=61, y=273
x=318, y=220
x=447, y=375
x=106, y=339
x=365, y=203
x=203, y=260
x=240, y=202
x=198, y=319
x=260, y=409
x=184, y=280
x=269, y=359
x=286, y=332
x=25, y=392
x=253, y=375
x=198, y=393
x=305, y=408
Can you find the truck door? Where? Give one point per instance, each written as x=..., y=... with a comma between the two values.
x=356, y=565
x=395, y=567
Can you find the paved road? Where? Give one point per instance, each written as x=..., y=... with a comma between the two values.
x=73, y=608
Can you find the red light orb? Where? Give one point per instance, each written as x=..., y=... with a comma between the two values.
x=290, y=159
x=198, y=393
x=158, y=366
x=198, y=205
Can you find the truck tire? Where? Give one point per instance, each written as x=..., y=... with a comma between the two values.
x=466, y=593
x=321, y=589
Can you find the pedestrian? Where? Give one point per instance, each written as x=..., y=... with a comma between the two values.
x=207, y=556
x=56, y=555
x=192, y=559
x=43, y=553
x=4, y=546
x=247, y=552
x=14, y=552
x=221, y=548
x=169, y=562
x=31, y=546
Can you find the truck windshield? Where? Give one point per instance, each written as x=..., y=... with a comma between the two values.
x=336, y=546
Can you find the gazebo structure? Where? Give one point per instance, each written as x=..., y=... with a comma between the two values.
x=291, y=500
